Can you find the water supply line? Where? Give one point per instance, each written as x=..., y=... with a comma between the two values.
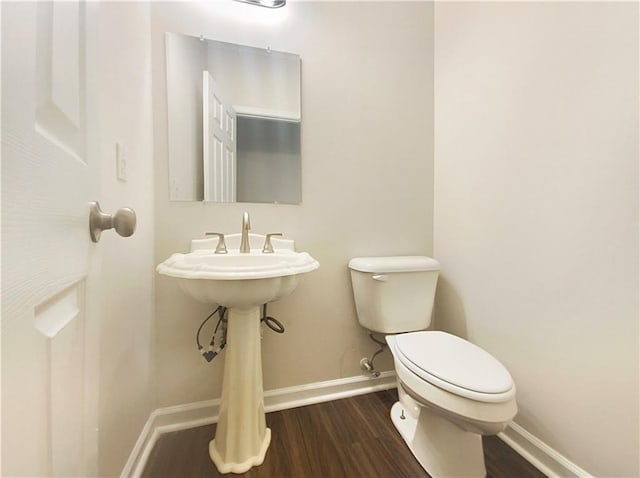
x=270, y=322
x=210, y=352
x=366, y=364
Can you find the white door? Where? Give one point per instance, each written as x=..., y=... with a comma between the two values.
x=50, y=172
x=219, y=135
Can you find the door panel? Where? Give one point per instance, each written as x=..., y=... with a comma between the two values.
x=65, y=359
x=219, y=146
x=60, y=76
x=47, y=181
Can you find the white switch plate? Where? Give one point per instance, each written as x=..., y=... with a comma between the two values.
x=121, y=162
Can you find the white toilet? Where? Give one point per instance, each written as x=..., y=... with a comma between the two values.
x=450, y=391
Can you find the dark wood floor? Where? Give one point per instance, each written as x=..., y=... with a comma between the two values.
x=348, y=438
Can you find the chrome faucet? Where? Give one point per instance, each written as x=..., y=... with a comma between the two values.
x=244, y=242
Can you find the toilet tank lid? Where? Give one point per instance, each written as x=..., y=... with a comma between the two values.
x=394, y=264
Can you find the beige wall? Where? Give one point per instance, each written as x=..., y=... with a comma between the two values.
x=126, y=394
x=367, y=179
x=536, y=211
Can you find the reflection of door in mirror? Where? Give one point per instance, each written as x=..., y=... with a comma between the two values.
x=219, y=143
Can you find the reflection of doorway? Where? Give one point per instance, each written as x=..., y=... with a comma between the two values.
x=268, y=160
x=219, y=146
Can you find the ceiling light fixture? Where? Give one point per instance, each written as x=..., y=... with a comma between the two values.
x=265, y=3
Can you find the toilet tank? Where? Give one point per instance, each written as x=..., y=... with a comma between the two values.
x=394, y=294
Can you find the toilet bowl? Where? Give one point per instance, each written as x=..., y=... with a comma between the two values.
x=443, y=411
x=450, y=391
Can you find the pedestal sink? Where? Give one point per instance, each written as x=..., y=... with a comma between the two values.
x=242, y=282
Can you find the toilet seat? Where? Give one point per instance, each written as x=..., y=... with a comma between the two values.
x=455, y=365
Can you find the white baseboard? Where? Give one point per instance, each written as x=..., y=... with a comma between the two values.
x=539, y=454
x=191, y=415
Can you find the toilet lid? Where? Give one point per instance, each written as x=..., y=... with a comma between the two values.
x=450, y=362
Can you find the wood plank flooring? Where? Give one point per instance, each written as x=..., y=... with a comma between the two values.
x=349, y=438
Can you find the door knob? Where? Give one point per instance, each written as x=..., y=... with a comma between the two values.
x=123, y=221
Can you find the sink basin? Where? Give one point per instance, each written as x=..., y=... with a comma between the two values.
x=238, y=280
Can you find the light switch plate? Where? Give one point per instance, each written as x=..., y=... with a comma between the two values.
x=121, y=162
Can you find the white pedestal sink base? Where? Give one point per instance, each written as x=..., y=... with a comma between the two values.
x=224, y=467
x=242, y=437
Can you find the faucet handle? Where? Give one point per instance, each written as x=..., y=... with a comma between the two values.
x=268, y=248
x=221, y=248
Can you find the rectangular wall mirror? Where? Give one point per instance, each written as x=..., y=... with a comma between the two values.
x=234, y=122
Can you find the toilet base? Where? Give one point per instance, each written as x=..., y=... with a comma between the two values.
x=442, y=448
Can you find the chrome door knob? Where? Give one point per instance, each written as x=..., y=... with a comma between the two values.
x=123, y=221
